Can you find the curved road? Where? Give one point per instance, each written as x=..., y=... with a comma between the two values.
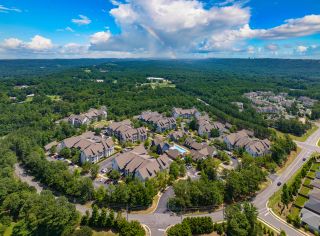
x=161, y=218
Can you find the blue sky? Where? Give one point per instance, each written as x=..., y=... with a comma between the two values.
x=159, y=28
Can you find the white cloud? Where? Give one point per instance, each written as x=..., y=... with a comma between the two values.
x=304, y=26
x=37, y=44
x=272, y=47
x=115, y=2
x=74, y=48
x=4, y=9
x=172, y=26
x=181, y=26
x=100, y=38
x=82, y=20
x=12, y=43
x=301, y=49
x=68, y=28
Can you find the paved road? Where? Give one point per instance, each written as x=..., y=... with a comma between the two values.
x=24, y=177
x=307, y=148
x=162, y=205
x=161, y=219
x=158, y=221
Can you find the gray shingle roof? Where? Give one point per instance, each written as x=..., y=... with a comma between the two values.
x=310, y=218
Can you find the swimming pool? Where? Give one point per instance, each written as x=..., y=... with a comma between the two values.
x=179, y=148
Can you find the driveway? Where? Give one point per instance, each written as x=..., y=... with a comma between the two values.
x=163, y=201
x=161, y=218
x=24, y=177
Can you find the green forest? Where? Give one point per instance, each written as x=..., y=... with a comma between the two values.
x=27, y=123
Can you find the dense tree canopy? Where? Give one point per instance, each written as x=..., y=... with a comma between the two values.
x=27, y=123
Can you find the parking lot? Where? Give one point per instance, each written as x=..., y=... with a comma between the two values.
x=192, y=173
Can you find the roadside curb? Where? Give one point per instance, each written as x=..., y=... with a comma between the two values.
x=267, y=224
x=285, y=222
x=147, y=229
x=159, y=194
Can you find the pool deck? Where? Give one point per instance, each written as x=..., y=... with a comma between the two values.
x=187, y=151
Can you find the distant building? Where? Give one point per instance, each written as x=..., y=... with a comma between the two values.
x=205, y=126
x=254, y=147
x=157, y=79
x=276, y=99
x=185, y=113
x=315, y=194
x=176, y=135
x=124, y=132
x=205, y=152
x=139, y=164
x=160, y=122
x=239, y=105
x=86, y=118
x=190, y=143
x=174, y=154
x=268, y=109
x=160, y=145
x=306, y=101
x=93, y=147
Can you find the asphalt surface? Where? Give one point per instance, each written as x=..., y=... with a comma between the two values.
x=163, y=201
x=158, y=221
x=22, y=175
x=307, y=148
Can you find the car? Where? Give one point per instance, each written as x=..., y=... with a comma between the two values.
x=104, y=171
x=304, y=159
x=279, y=183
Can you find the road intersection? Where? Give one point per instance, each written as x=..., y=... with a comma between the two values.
x=161, y=219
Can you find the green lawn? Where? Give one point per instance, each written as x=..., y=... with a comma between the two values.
x=307, y=181
x=304, y=191
x=315, y=167
x=295, y=211
x=306, y=135
x=54, y=97
x=29, y=99
x=154, y=85
x=8, y=231
x=311, y=174
x=300, y=201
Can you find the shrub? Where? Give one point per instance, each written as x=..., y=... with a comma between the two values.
x=199, y=225
x=182, y=229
